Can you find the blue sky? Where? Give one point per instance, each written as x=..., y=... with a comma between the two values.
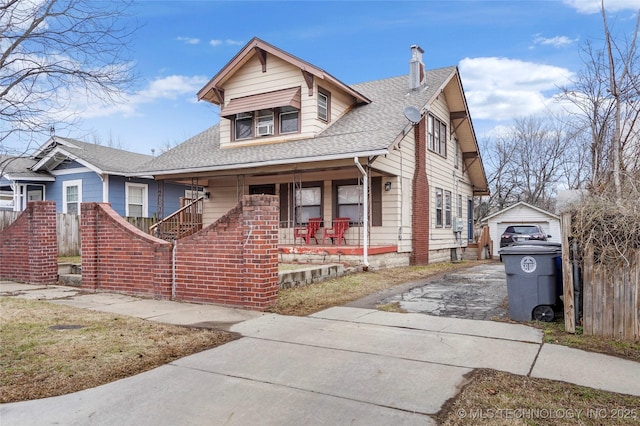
x=512, y=55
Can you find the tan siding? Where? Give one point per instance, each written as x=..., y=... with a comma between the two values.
x=443, y=174
x=397, y=203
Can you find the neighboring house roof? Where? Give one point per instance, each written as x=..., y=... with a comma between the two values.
x=19, y=169
x=100, y=159
x=521, y=204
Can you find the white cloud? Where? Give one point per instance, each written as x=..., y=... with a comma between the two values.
x=593, y=6
x=228, y=42
x=171, y=87
x=188, y=40
x=557, y=41
x=503, y=88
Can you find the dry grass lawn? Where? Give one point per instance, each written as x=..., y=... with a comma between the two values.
x=48, y=349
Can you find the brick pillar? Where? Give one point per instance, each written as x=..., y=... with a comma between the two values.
x=421, y=207
x=260, y=250
x=43, y=242
x=89, y=244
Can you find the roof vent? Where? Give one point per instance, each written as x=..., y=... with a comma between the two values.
x=416, y=68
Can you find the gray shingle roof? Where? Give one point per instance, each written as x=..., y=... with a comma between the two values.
x=18, y=168
x=109, y=160
x=363, y=130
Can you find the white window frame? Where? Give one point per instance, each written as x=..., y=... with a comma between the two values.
x=439, y=208
x=145, y=197
x=69, y=184
x=323, y=106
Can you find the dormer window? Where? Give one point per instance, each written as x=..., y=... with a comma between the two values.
x=244, y=125
x=265, y=114
x=264, y=123
x=289, y=120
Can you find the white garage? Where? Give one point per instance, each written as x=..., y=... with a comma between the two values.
x=521, y=214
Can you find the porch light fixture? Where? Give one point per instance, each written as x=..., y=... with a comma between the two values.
x=387, y=186
x=207, y=195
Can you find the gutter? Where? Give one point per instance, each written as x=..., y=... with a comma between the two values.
x=237, y=166
x=365, y=205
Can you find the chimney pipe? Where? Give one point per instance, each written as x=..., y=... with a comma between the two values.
x=416, y=68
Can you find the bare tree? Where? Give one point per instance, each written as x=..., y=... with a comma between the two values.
x=530, y=160
x=607, y=95
x=54, y=52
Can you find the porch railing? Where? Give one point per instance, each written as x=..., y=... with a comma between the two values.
x=183, y=222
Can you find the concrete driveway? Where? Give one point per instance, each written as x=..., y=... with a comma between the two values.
x=478, y=292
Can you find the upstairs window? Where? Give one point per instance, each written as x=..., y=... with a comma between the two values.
x=264, y=123
x=244, y=125
x=324, y=103
x=289, y=120
x=437, y=135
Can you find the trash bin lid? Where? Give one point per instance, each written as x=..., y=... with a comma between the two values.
x=537, y=243
x=528, y=249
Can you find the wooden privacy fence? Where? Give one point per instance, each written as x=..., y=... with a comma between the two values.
x=68, y=229
x=606, y=298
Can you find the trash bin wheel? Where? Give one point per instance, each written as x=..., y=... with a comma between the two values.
x=543, y=313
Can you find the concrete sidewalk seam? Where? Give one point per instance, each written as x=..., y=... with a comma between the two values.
x=280, y=385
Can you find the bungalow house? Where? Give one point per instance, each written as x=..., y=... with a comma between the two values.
x=70, y=172
x=396, y=161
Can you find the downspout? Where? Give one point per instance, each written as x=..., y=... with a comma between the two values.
x=365, y=207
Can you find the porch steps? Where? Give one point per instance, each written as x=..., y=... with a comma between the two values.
x=70, y=274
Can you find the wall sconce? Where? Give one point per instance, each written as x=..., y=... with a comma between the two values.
x=387, y=186
x=207, y=195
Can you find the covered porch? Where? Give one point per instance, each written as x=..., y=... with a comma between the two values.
x=342, y=211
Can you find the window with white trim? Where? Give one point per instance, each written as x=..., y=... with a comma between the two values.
x=136, y=196
x=71, y=196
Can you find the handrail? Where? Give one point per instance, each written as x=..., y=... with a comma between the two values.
x=153, y=229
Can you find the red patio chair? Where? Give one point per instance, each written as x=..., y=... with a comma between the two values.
x=309, y=231
x=337, y=231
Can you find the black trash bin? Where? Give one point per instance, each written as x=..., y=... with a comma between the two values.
x=532, y=280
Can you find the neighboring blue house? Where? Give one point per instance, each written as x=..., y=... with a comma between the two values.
x=70, y=172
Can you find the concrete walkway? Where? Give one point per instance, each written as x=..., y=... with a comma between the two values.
x=340, y=366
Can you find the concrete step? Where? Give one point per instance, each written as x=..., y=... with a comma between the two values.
x=72, y=280
x=308, y=275
x=71, y=275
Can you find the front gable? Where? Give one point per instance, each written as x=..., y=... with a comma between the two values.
x=267, y=95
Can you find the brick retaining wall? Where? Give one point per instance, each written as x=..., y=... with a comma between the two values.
x=29, y=246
